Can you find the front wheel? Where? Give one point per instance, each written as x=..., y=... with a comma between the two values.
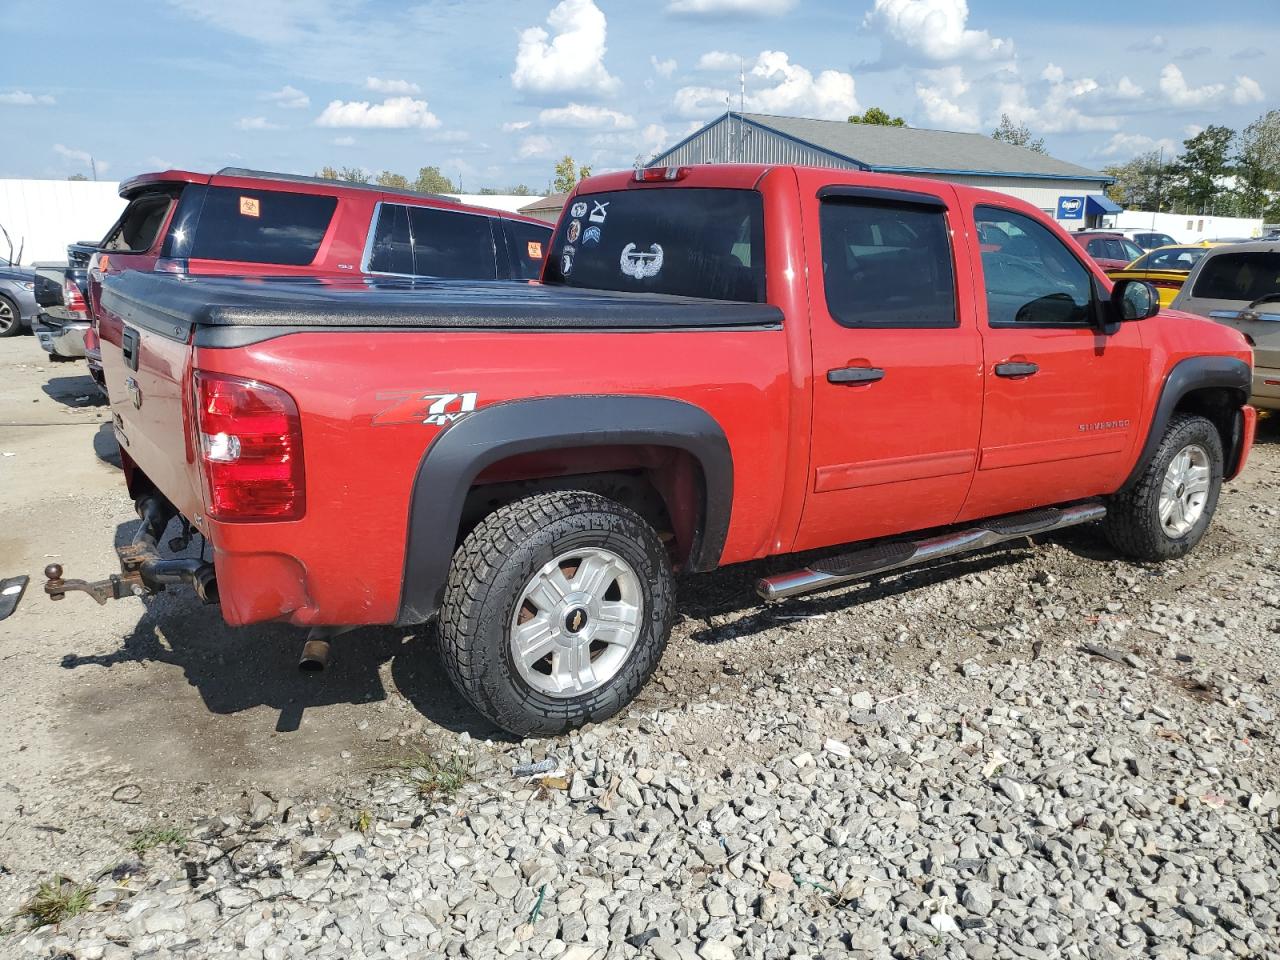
x=1165, y=512
x=557, y=611
x=10, y=317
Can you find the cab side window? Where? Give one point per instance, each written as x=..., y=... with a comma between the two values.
x=1031, y=277
x=887, y=264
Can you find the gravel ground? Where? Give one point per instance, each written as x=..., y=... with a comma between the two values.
x=1036, y=752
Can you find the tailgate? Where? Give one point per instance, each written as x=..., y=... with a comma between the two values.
x=146, y=361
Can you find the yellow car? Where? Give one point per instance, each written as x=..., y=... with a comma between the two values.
x=1165, y=268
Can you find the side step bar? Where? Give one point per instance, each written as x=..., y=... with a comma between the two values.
x=892, y=556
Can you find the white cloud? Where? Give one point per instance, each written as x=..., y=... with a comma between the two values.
x=663, y=68
x=393, y=87
x=394, y=113
x=586, y=117
x=940, y=99
x=1192, y=130
x=1053, y=73
x=796, y=91
x=344, y=141
x=1246, y=90
x=291, y=98
x=936, y=30
x=513, y=125
x=722, y=8
x=535, y=146
x=256, y=123
x=1126, y=89
x=80, y=156
x=1176, y=90
x=20, y=98
x=1070, y=104
x=571, y=61
x=1131, y=144
x=719, y=60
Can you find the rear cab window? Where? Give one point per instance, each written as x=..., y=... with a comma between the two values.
x=408, y=240
x=246, y=225
x=1246, y=276
x=683, y=241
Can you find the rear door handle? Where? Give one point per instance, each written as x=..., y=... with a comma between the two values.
x=854, y=375
x=1012, y=369
x=129, y=348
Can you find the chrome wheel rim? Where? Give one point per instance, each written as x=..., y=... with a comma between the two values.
x=1184, y=490
x=576, y=622
x=6, y=316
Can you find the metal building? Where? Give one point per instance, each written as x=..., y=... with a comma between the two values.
x=1072, y=194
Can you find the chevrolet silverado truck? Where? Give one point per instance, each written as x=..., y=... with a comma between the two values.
x=721, y=364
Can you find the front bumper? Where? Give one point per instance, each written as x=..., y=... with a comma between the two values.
x=61, y=338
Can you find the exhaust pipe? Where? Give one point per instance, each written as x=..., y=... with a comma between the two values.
x=315, y=655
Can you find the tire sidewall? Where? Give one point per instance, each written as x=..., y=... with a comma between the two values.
x=621, y=532
x=1201, y=433
x=16, y=327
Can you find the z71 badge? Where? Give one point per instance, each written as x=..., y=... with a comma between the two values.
x=435, y=409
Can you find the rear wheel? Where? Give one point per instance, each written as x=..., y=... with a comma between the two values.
x=1166, y=511
x=557, y=611
x=10, y=318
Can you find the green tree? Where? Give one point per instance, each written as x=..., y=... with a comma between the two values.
x=1200, y=170
x=1141, y=184
x=77, y=176
x=877, y=117
x=1018, y=134
x=328, y=173
x=431, y=180
x=392, y=181
x=1258, y=166
x=568, y=174
x=353, y=175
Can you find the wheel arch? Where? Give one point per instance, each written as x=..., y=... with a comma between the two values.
x=1215, y=387
x=505, y=432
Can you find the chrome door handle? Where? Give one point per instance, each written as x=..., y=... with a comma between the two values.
x=1012, y=369
x=854, y=375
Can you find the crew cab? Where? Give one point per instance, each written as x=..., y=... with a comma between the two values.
x=250, y=222
x=722, y=363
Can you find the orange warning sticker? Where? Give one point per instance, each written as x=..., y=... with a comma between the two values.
x=535, y=250
x=249, y=207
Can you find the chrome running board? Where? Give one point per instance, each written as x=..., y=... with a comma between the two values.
x=892, y=556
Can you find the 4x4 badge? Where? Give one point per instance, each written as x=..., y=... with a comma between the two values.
x=435, y=409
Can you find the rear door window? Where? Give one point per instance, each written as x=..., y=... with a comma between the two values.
x=1239, y=276
x=251, y=226
x=391, y=246
x=887, y=265
x=687, y=241
x=529, y=244
x=136, y=230
x=454, y=245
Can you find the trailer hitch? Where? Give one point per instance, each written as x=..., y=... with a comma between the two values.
x=142, y=569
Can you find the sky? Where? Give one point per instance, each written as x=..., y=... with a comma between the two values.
x=495, y=92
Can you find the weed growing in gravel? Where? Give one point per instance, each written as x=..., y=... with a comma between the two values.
x=437, y=773
x=57, y=900
x=364, y=820
x=154, y=837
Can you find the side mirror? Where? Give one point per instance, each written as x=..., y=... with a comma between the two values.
x=1134, y=300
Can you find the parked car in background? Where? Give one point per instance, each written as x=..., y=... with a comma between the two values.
x=1109, y=250
x=249, y=222
x=529, y=463
x=63, y=318
x=1148, y=239
x=1239, y=285
x=1165, y=268
x=17, y=298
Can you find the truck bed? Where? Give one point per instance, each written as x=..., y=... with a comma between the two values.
x=236, y=311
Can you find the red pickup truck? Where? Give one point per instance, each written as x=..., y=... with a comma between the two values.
x=722, y=363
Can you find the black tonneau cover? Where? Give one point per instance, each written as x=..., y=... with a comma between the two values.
x=233, y=311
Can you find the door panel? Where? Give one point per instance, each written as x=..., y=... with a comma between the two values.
x=1063, y=429
x=897, y=369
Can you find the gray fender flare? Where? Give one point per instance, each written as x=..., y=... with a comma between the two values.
x=458, y=455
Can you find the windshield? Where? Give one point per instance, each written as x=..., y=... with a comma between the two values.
x=692, y=242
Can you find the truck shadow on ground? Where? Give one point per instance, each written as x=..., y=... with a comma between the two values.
x=106, y=447
x=78, y=391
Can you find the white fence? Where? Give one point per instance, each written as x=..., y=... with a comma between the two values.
x=43, y=216
x=1186, y=228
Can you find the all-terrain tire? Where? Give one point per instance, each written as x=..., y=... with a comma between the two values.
x=1133, y=523
x=491, y=570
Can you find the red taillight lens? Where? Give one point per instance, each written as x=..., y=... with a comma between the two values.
x=90, y=340
x=658, y=174
x=72, y=298
x=250, y=449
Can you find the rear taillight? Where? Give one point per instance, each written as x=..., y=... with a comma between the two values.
x=72, y=298
x=659, y=174
x=250, y=449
